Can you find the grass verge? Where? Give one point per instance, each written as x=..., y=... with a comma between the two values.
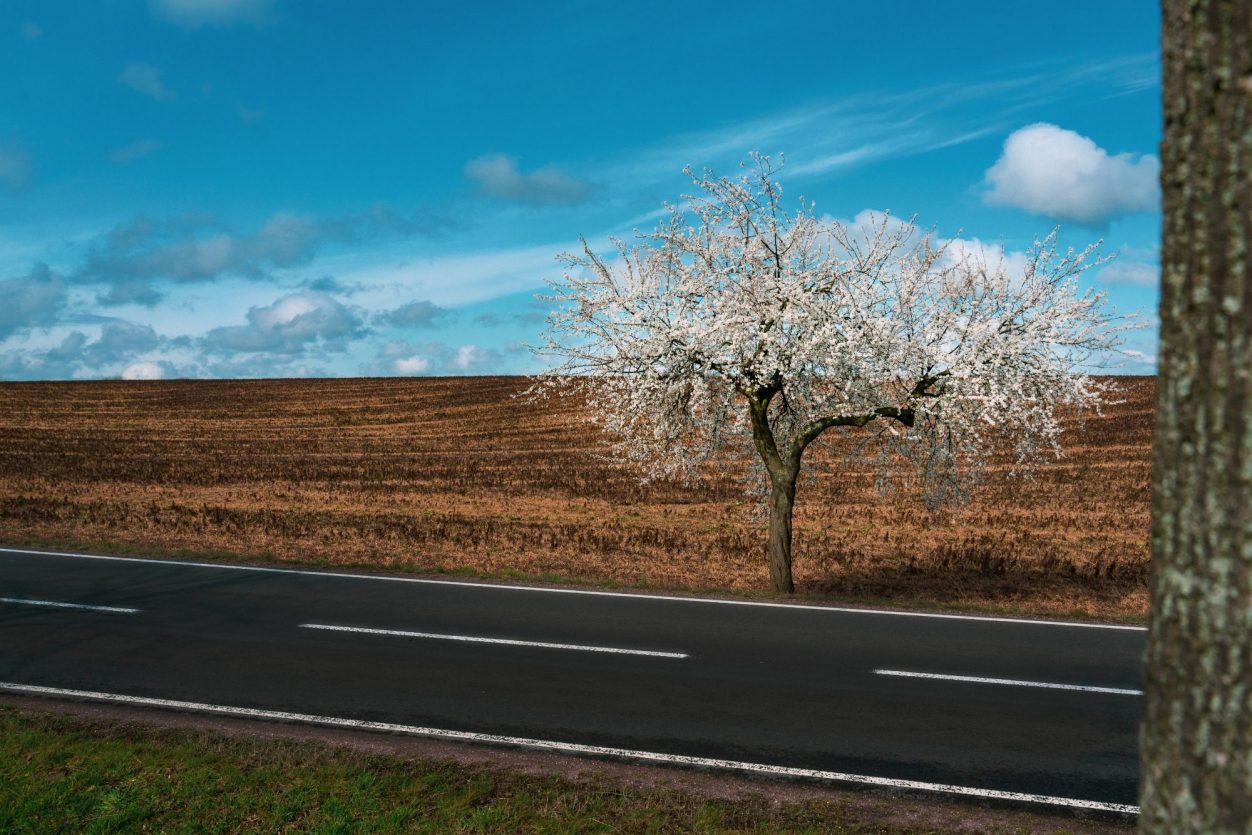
x=67, y=773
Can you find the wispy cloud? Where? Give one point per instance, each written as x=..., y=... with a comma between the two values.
x=843, y=159
x=136, y=150
x=499, y=175
x=146, y=79
x=827, y=137
x=14, y=168
x=192, y=14
x=457, y=279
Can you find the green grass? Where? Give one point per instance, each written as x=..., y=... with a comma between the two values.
x=73, y=774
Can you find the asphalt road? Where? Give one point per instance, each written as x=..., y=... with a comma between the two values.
x=847, y=693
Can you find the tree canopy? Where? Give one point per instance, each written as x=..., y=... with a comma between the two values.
x=740, y=323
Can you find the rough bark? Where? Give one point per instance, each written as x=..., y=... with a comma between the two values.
x=783, y=466
x=782, y=500
x=1196, y=745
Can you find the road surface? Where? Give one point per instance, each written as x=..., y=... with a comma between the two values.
x=985, y=707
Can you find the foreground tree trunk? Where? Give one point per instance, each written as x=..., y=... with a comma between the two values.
x=1196, y=745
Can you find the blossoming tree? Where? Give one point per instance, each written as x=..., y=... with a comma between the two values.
x=737, y=322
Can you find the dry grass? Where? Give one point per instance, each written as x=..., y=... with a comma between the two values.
x=454, y=474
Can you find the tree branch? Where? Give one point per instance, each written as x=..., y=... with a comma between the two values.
x=810, y=432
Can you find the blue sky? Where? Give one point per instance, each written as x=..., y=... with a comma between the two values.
x=226, y=188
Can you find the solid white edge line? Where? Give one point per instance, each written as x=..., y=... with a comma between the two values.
x=477, y=640
x=1118, y=691
x=588, y=592
x=25, y=602
x=577, y=748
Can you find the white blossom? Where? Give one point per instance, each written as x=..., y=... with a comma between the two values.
x=740, y=324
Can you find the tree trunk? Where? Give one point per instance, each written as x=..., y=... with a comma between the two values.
x=781, y=501
x=1196, y=742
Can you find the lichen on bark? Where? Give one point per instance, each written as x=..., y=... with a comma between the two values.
x=1196, y=749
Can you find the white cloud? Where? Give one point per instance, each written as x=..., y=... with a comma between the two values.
x=412, y=365
x=868, y=222
x=119, y=341
x=146, y=79
x=831, y=136
x=193, y=14
x=33, y=300
x=995, y=256
x=415, y=314
x=143, y=371
x=499, y=175
x=402, y=357
x=133, y=256
x=119, y=348
x=30, y=30
x=467, y=356
x=1131, y=272
x=1051, y=171
x=291, y=325
x=1141, y=356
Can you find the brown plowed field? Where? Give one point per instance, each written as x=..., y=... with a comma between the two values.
x=454, y=474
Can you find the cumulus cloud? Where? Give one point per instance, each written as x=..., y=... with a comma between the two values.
x=146, y=79
x=136, y=150
x=1051, y=171
x=400, y=357
x=499, y=175
x=146, y=370
x=120, y=344
x=130, y=291
x=995, y=256
x=133, y=256
x=412, y=365
x=416, y=314
x=31, y=301
x=14, y=168
x=119, y=341
x=292, y=325
x=470, y=358
x=193, y=14
x=867, y=223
